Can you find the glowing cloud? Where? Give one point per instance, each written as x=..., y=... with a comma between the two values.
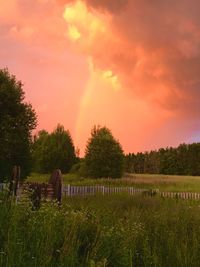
x=73, y=33
x=112, y=79
x=82, y=23
x=132, y=65
x=146, y=50
x=153, y=48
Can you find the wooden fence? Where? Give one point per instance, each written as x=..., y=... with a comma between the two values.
x=70, y=191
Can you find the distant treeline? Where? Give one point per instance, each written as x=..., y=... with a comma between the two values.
x=183, y=160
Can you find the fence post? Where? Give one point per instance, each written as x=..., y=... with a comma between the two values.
x=56, y=182
x=68, y=190
x=103, y=189
x=14, y=181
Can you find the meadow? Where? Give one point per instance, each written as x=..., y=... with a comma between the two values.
x=165, y=183
x=104, y=231
x=112, y=231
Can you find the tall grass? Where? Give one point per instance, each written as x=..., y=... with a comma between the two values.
x=168, y=183
x=114, y=231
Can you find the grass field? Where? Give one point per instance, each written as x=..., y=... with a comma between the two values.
x=115, y=231
x=104, y=231
x=170, y=183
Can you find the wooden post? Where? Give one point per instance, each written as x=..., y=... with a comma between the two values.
x=68, y=190
x=56, y=181
x=14, y=181
x=103, y=190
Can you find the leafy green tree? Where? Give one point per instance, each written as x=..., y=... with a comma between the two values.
x=183, y=159
x=53, y=151
x=40, y=151
x=17, y=120
x=130, y=163
x=104, y=155
x=194, y=159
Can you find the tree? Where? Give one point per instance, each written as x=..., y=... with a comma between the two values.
x=130, y=163
x=17, y=120
x=53, y=151
x=40, y=152
x=104, y=155
x=183, y=160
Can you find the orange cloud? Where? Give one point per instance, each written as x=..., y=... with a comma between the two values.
x=132, y=65
x=153, y=51
x=152, y=47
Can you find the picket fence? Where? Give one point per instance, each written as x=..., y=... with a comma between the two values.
x=105, y=190
x=70, y=191
x=182, y=195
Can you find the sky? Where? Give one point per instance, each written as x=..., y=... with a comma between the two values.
x=130, y=65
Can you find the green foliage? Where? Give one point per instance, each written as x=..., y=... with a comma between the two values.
x=53, y=151
x=104, y=155
x=115, y=231
x=79, y=168
x=183, y=160
x=17, y=120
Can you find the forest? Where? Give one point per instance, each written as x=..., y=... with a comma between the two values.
x=183, y=160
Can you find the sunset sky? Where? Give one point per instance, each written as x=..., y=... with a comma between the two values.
x=132, y=65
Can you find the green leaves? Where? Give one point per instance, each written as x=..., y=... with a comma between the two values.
x=17, y=120
x=53, y=151
x=104, y=154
